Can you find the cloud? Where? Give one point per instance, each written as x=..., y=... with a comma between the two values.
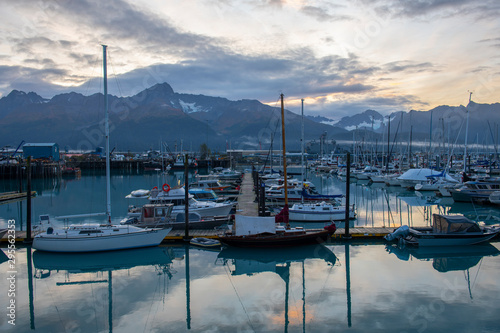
x=409, y=67
x=31, y=79
x=440, y=8
x=322, y=14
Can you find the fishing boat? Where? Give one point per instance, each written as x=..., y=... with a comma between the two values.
x=447, y=230
x=96, y=236
x=249, y=231
x=319, y=212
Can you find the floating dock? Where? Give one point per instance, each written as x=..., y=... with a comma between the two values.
x=10, y=196
x=248, y=206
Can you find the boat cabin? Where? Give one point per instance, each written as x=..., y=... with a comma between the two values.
x=154, y=212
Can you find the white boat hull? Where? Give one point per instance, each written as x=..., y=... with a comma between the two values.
x=206, y=211
x=319, y=217
x=436, y=239
x=321, y=212
x=94, y=243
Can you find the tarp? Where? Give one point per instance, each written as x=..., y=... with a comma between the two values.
x=251, y=225
x=453, y=224
x=422, y=175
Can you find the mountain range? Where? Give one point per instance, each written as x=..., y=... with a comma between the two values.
x=140, y=122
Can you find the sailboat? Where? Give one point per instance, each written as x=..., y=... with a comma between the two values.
x=266, y=231
x=99, y=237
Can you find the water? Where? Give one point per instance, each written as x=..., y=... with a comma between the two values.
x=362, y=287
x=344, y=288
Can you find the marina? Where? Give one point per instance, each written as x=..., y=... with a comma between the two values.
x=306, y=288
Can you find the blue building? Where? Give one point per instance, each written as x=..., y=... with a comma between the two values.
x=48, y=151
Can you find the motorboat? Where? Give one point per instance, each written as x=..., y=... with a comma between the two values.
x=210, y=195
x=367, y=173
x=447, y=230
x=297, y=194
x=319, y=212
x=250, y=231
x=177, y=195
x=228, y=175
x=475, y=190
x=160, y=216
x=209, y=184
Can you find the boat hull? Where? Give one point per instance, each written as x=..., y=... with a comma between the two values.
x=277, y=240
x=93, y=243
x=319, y=216
x=436, y=239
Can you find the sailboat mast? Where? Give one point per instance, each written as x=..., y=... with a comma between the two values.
x=106, y=132
x=302, y=143
x=467, y=134
x=284, y=149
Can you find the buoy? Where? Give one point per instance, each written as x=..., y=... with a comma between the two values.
x=166, y=187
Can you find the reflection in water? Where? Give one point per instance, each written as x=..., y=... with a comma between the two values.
x=447, y=258
x=303, y=289
x=101, y=261
x=254, y=261
x=81, y=264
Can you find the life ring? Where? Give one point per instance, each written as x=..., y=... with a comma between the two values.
x=155, y=188
x=166, y=187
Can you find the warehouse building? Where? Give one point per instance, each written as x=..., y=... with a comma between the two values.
x=48, y=151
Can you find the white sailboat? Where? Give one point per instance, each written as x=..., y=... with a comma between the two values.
x=99, y=237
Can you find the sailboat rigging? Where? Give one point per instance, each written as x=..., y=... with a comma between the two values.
x=99, y=237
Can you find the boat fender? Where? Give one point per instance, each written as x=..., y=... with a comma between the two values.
x=166, y=187
x=331, y=228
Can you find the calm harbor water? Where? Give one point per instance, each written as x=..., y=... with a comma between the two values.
x=357, y=287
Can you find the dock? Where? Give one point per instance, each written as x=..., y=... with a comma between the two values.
x=10, y=196
x=248, y=206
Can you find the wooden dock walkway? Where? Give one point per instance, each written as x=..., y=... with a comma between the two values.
x=10, y=196
x=247, y=205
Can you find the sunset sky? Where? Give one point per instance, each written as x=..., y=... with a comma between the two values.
x=341, y=56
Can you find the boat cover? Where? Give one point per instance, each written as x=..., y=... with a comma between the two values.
x=252, y=225
x=453, y=224
x=424, y=174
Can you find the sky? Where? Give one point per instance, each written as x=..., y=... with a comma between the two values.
x=341, y=56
